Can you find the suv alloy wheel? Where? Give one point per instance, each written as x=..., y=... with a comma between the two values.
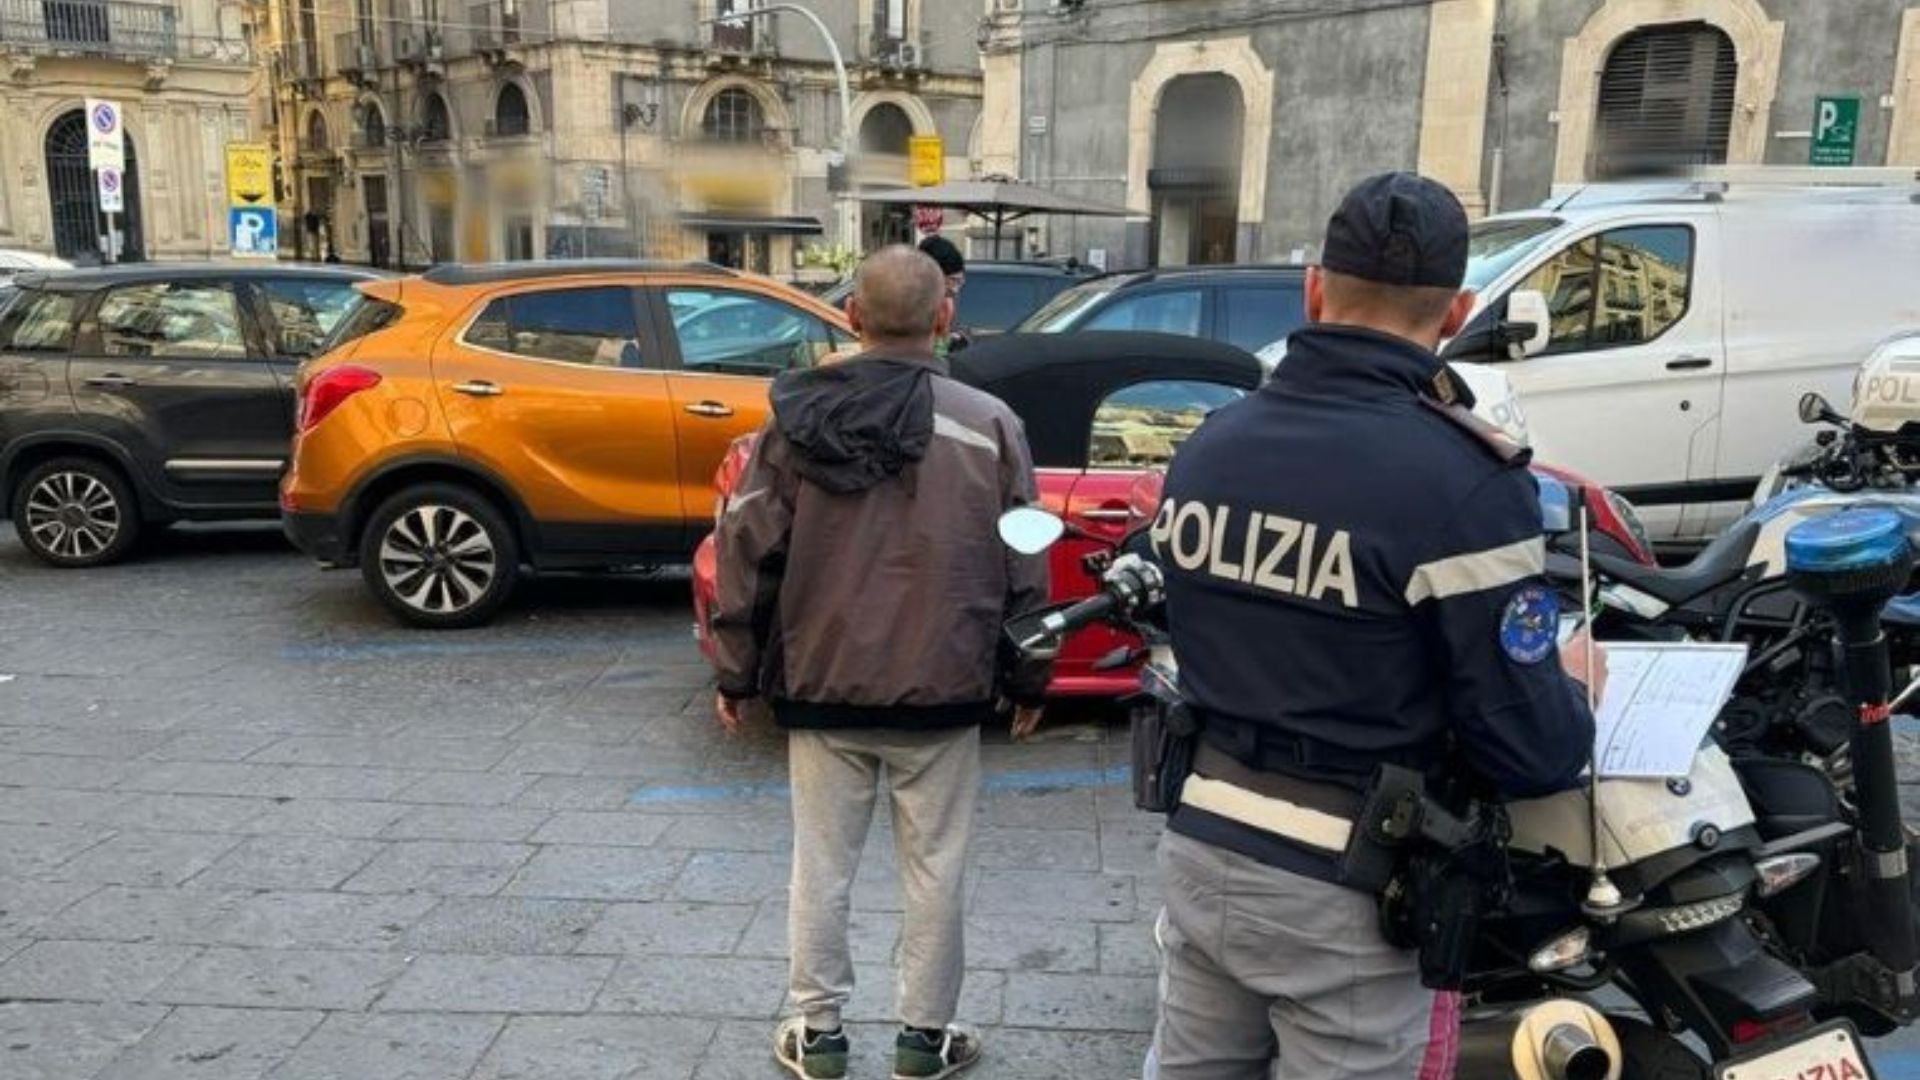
x=440, y=556
x=76, y=512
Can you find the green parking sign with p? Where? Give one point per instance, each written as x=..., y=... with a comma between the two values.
x=1836, y=124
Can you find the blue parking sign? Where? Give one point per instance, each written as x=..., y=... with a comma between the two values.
x=253, y=232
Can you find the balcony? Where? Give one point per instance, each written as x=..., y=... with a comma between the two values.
x=114, y=28
x=419, y=46
x=357, y=55
x=897, y=54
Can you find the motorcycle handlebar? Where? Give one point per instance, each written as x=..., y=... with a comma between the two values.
x=1085, y=613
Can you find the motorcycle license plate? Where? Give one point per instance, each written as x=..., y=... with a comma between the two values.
x=1830, y=1052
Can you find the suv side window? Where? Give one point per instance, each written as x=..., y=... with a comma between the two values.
x=197, y=320
x=1256, y=317
x=304, y=312
x=1145, y=423
x=593, y=326
x=722, y=332
x=1174, y=311
x=996, y=302
x=39, y=322
x=1620, y=288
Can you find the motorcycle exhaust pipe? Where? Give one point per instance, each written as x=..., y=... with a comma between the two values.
x=1554, y=1040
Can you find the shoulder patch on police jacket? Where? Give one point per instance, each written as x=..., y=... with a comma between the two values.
x=1496, y=441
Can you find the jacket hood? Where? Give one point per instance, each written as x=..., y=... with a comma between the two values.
x=857, y=423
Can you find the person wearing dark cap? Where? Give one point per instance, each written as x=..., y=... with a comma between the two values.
x=954, y=265
x=1354, y=578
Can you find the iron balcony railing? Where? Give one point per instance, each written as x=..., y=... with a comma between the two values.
x=92, y=27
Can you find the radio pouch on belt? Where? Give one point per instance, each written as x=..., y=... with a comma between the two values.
x=1165, y=735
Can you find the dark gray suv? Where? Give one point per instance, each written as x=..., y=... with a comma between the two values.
x=140, y=395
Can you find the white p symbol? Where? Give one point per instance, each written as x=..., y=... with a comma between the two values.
x=1829, y=116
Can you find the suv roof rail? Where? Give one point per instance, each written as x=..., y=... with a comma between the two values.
x=1718, y=182
x=483, y=273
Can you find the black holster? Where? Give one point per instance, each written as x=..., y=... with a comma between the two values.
x=1444, y=871
x=1165, y=737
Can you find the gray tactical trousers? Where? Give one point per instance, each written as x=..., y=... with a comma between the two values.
x=934, y=777
x=1267, y=974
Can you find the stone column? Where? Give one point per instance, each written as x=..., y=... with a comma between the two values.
x=1903, y=142
x=1453, y=107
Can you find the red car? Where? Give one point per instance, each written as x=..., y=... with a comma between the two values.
x=1101, y=411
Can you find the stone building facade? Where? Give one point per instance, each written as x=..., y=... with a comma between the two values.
x=416, y=131
x=181, y=72
x=1230, y=127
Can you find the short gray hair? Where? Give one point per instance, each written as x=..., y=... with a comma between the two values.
x=898, y=291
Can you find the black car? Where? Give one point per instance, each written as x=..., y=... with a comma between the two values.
x=152, y=393
x=1250, y=307
x=998, y=295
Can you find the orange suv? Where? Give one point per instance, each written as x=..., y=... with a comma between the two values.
x=472, y=420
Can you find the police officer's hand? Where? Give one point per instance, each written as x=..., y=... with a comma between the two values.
x=1573, y=657
x=1026, y=719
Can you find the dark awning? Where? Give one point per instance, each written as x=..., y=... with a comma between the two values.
x=793, y=225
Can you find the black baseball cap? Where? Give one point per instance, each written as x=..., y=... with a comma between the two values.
x=1399, y=228
x=943, y=251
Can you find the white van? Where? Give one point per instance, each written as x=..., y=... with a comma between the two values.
x=1662, y=333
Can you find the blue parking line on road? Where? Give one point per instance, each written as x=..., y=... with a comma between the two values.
x=387, y=650
x=1907, y=725
x=1014, y=782
x=1899, y=1065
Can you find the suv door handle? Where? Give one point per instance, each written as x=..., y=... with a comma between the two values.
x=1689, y=363
x=113, y=378
x=478, y=388
x=710, y=408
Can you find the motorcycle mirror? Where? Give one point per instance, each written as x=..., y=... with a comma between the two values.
x=1814, y=408
x=1030, y=530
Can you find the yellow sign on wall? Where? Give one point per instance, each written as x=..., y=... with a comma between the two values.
x=927, y=160
x=249, y=174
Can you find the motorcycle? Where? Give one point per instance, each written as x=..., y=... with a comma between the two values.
x=1727, y=908
x=1788, y=701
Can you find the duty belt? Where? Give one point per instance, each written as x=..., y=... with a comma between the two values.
x=1313, y=815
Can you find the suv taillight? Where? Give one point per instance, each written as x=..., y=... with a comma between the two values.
x=326, y=391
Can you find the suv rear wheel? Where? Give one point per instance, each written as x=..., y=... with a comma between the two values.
x=440, y=556
x=76, y=512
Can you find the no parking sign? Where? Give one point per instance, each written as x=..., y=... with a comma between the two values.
x=112, y=197
x=106, y=142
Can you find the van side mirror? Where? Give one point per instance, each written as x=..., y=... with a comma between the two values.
x=1528, y=325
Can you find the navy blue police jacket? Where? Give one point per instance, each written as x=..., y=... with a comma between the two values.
x=1354, y=576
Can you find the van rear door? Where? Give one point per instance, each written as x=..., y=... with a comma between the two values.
x=1628, y=388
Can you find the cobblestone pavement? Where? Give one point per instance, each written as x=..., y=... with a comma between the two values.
x=251, y=828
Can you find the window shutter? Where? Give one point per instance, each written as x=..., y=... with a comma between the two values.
x=1666, y=101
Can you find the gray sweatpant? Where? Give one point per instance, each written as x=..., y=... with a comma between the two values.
x=1266, y=973
x=934, y=777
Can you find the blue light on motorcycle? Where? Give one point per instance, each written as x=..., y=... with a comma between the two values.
x=1847, y=542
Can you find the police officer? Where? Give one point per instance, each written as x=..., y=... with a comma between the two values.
x=1354, y=577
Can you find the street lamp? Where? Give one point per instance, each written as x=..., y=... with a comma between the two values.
x=840, y=73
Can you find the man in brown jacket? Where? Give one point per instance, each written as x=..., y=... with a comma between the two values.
x=862, y=586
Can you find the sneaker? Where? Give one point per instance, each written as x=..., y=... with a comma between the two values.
x=920, y=1056
x=809, y=1055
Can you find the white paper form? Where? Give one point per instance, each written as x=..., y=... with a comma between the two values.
x=1659, y=702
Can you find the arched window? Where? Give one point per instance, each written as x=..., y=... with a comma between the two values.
x=733, y=116
x=510, y=112
x=436, y=124
x=1666, y=100
x=373, y=125
x=886, y=130
x=317, y=132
